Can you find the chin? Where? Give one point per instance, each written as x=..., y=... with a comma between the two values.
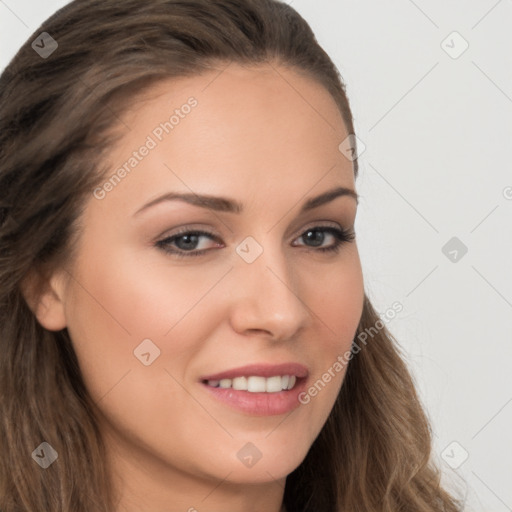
x=273, y=464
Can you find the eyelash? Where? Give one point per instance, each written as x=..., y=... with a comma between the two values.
x=341, y=236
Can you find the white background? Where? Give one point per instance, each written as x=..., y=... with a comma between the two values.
x=437, y=132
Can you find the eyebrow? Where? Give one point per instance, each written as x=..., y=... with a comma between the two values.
x=223, y=204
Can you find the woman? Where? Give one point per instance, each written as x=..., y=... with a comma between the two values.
x=252, y=376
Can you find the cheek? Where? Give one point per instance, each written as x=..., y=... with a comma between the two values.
x=137, y=298
x=117, y=301
x=115, y=310
x=335, y=296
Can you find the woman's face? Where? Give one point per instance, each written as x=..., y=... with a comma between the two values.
x=153, y=313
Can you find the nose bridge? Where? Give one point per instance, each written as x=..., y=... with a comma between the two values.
x=268, y=297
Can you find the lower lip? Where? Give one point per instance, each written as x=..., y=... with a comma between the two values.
x=260, y=404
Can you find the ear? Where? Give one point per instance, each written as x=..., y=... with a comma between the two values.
x=45, y=298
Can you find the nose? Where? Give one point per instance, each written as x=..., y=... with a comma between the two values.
x=266, y=297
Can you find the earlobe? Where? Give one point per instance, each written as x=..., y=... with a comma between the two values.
x=45, y=298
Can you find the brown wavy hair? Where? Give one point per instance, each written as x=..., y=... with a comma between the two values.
x=374, y=452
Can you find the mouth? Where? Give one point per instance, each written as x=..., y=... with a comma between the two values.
x=260, y=390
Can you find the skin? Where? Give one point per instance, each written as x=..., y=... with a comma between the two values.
x=267, y=137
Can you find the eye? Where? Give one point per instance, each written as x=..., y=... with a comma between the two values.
x=185, y=243
x=340, y=236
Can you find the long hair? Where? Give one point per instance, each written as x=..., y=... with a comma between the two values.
x=56, y=115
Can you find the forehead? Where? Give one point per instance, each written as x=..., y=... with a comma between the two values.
x=228, y=131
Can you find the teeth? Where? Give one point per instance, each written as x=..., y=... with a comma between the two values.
x=240, y=383
x=256, y=384
x=273, y=384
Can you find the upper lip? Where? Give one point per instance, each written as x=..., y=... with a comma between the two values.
x=261, y=370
